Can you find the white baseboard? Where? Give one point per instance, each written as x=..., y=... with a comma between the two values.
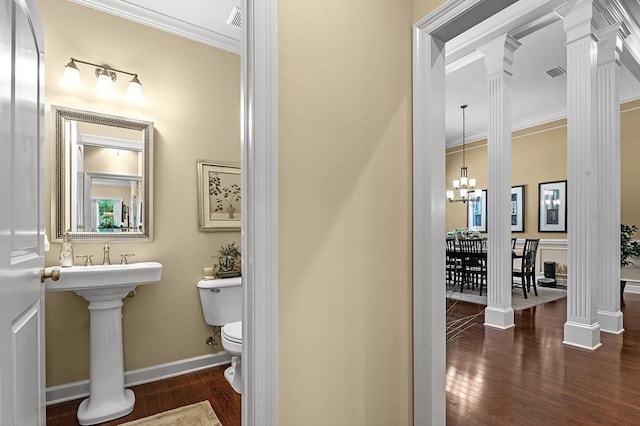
x=632, y=288
x=76, y=390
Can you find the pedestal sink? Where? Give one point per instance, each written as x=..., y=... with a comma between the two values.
x=104, y=286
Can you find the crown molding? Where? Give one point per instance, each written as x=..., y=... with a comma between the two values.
x=517, y=125
x=157, y=20
x=444, y=14
x=537, y=120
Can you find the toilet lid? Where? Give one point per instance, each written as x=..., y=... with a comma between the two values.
x=233, y=331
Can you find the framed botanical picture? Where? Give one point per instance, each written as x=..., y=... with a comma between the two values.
x=219, y=198
x=552, y=210
x=517, y=208
x=477, y=213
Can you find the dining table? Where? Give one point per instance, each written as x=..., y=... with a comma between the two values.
x=467, y=261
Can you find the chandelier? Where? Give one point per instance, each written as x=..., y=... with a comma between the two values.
x=464, y=188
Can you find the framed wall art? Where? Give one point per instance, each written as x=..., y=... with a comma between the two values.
x=477, y=213
x=219, y=197
x=552, y=207
x=517, y=208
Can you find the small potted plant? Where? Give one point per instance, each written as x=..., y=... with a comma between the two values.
x=229, y=261
x=628, y=248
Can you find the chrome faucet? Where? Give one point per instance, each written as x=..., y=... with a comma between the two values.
x=87, y=259
x=106, y=260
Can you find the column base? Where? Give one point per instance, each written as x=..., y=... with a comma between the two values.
x=584, y=336
x=501, y=318
x=610, y=322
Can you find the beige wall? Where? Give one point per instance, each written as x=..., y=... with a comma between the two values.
x=423, y=7
x=193, y=98
x=112, y=161
x=345, y=212
x=344, y=209
x=107, y=191
x=539, y=154
x=630, y=154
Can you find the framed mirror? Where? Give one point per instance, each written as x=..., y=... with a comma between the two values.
x=103, y=176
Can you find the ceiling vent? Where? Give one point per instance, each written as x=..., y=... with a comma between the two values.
x=556, y=72
x=235, y=19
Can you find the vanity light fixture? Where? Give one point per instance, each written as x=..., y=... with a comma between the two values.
x=463, y=188
x=71, y=77
x=106, y=76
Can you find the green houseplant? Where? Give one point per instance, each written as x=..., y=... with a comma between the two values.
x=628, y=248
x=229, y=261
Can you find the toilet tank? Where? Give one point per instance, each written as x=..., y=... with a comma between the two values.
x=221, y=300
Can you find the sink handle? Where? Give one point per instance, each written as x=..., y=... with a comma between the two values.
x=123, y=260
x=54, y=274
x=87, y=259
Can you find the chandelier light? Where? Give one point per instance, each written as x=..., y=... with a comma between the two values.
x=105, y=76
x=464, y=188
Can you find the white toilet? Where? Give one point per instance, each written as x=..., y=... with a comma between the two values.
x=221, y=301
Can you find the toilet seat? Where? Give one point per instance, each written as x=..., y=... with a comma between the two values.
x=233, y=332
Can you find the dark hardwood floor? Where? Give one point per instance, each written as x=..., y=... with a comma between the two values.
x=152, y=398
x=526, y=376
x=522, y=376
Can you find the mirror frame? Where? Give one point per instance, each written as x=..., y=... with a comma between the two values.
x=60, y=114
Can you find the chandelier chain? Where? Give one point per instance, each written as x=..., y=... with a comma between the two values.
x=464, y=188
x=464, y=163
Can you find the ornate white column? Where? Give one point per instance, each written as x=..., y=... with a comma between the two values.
x=498, y=59
x=581, y=329
x=608, y=180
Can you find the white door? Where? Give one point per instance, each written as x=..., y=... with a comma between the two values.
x=22, y=380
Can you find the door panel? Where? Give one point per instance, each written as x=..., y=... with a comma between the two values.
x=22, y=396
x=25, y=331
x=24, y=192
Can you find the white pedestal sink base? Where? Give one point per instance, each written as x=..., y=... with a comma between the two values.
x=104, y=286
x=90, y=413
x=108, y=399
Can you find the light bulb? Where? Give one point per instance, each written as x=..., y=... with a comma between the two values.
x=463, y=181
x=104, y=85
x=134, y=91
x=463, y=192
x=472, y=182
x=71, y=77
x=450, y=195
x=456, y=184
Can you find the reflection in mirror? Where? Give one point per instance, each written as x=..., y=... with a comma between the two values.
x=103, y=176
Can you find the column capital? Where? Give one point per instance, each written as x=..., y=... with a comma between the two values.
x=498, y=54
x=579, y=19
x=609, y=44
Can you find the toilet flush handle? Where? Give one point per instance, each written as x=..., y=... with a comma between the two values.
x=214, y=290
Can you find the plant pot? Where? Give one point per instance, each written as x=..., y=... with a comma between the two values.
x=228, y=274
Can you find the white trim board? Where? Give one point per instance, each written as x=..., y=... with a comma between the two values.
x=428, y=193
x=76, y=390
x=632, y=288
x=259, y=164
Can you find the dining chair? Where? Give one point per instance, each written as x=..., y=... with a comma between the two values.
x=474, y=262
x=453, y=263
x=527, y=271
x=513, y=243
